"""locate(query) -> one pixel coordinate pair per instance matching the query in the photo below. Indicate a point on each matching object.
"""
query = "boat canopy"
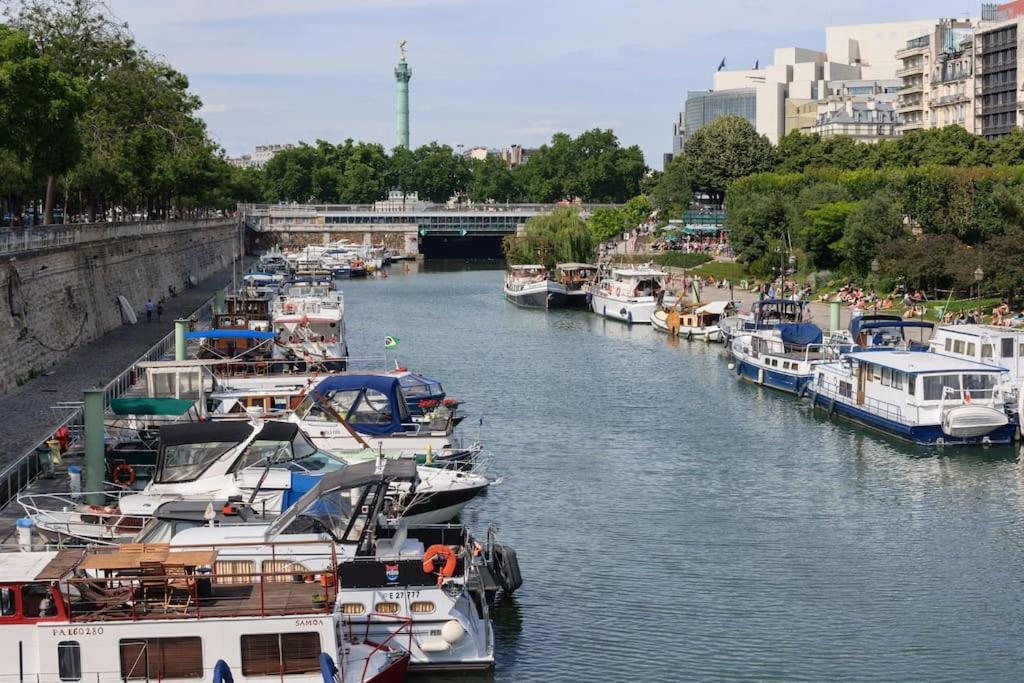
(800, 334)
(371, 404)
(224, 431)
(875, 322)
(150, 406)
(229, 334)
(715, 307)
(416, 386)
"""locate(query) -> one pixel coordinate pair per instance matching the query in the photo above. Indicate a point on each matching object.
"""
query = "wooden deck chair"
(104, 599)
(179, 582)
(153, 582)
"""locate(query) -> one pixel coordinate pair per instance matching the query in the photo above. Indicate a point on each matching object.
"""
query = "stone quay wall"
(59, 286)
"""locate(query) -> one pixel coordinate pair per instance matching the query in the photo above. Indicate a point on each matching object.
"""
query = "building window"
(69, 660)
(160, 658)
(1007, 348)
(277, 654)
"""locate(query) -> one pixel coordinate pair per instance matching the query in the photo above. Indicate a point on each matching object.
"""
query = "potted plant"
(319, 601)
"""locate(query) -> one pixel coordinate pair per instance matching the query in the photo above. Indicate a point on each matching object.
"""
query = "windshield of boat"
(980, 385)
(331, 511)
(297, 455)
(187, 461)
(360, 406)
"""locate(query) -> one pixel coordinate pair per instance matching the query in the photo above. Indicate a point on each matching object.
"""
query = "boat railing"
(824, 386)
(403, 632)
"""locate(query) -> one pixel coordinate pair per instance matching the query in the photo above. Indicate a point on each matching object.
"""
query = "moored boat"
(577, 279)
(918, 396)
(529, 286)
(781, 357)
(629, 294)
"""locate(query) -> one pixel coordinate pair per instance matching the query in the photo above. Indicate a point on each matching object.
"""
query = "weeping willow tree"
(558, 237)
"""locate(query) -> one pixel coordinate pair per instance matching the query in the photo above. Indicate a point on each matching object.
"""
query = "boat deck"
(207, 600)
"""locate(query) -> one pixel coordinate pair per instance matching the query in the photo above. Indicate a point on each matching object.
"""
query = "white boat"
(163, 614)
(923, 397)
(309, 319)
(528, 286)
(701, 323)
(630, 294)
(989, 344)
(781, 357)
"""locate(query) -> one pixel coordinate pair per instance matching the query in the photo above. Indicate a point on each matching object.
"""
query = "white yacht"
(309, 319)
(923, 397)
(630, 294)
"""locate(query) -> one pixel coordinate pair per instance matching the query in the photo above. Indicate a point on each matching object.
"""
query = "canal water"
(674, 524)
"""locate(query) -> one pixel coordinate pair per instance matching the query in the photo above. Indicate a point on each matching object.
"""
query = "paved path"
(27, 410)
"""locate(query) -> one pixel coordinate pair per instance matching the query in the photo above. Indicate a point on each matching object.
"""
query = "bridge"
(407, 226)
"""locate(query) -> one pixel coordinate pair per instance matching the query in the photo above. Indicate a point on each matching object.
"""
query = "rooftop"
(921, 361)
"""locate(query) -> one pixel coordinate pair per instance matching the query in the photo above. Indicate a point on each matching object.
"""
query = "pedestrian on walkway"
(159, 311)
(149, 310)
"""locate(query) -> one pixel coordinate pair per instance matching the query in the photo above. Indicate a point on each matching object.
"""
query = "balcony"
(985, 69)
(998, 108)
(945, 100)
(908, 126)
(911, 69)
(911, 88)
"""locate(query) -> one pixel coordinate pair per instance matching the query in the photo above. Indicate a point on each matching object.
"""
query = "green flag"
(390, 342)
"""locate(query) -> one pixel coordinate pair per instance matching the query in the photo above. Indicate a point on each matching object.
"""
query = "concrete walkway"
(28, 412)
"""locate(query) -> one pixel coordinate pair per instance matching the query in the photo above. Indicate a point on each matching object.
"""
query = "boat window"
(911, 384)
(938, 386)
(69, 660)
(1020, 350)
(949, 344)
(160, 658)
(1007, 350)
(845, 389)
(6, 602)
(37, 601)
(275, 654)
(897, 379)
(185, 462)
(374, 408)
(970, 349)
(330, 511)
(886, 377)
(981, 385)
(986, 350)
(958, 346)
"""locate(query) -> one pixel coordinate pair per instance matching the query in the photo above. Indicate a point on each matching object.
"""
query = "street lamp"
(875, 265)
(979, 275)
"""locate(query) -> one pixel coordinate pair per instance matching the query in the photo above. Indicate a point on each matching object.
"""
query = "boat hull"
(922, 435)
(633, 311)
(547, 295)
(781, 381)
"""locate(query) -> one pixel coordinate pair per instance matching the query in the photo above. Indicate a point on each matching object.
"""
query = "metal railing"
(824, 386)
(17, 476)
(19, 241)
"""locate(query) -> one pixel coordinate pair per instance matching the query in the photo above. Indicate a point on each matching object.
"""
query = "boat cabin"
(575, 276)
(771, 312)
(870, 331)
(997, 346)
(526, 274)
(707, 315)
(637, 282)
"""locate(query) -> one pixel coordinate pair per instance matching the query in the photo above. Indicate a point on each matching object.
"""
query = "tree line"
(93, 122)
(927, 208)
(592, 166)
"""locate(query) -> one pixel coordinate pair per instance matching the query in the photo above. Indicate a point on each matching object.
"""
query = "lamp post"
(979, 275)
(875, 265)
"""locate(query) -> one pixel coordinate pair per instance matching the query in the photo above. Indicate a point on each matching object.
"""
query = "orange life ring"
(449, 561)
(290, 308)
(123, 468)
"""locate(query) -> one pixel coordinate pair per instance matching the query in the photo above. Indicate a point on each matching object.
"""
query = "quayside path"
(28, 410)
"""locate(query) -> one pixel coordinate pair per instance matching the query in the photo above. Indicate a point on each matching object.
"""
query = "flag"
(722, 65)
(390, 342)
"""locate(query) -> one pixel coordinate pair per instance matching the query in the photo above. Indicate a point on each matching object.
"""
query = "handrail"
(16, 241)
(382, 646)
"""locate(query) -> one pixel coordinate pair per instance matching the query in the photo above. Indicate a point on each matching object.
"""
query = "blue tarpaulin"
(799, 334)
(229, 334)
(368, 416)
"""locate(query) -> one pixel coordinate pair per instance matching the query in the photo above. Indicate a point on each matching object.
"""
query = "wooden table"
(125, 561)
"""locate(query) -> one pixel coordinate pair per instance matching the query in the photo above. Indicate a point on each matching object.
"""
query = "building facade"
(937, 73)
(260, 156)
(997, 85)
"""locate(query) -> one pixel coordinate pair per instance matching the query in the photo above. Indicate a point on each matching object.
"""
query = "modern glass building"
(704, 106)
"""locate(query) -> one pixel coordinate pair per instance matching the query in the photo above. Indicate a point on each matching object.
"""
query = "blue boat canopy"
(229, 334)
(372, 404)
(800, 334)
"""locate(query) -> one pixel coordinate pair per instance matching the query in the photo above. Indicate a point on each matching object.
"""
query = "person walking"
(149, 310)
(160, 311)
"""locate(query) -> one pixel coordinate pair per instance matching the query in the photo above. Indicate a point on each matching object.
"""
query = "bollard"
(95, 463)
(179, 339)
(75, 481)
(24, 525)
(55, 458)
(833, 316)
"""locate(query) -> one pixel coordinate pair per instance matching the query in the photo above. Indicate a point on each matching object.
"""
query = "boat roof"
(638, 272)
(575, 266)
(229, 334)
(143, 405)
(976, 330)
(921, 361)
(715, 307)
(525, 266)
(19, 566)
(225, 431)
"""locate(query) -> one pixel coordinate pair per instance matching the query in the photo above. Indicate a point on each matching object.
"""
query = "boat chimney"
(95, 467)
(179, 339)
(833, 316)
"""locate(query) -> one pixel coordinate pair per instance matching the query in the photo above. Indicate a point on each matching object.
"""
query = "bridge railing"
(22, 240)
(261, 210)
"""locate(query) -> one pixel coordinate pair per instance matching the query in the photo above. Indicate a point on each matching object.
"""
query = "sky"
(486, 73)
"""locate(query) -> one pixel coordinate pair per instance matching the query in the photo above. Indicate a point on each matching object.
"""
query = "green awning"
(150, 406)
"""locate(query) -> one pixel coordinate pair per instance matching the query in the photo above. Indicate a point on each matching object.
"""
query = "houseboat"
(629, 294)
(529, 286)
(988, 344)
(765, 314)
(309, 318)
(577, 279)
(781, 357)
(922, 397)
(694, 321)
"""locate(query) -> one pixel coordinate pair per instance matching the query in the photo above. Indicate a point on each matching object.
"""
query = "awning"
(715, 307)
(229, 334)
(150, 406)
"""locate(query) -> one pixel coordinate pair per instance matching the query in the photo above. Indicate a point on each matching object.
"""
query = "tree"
(872, 222)
(605, 223)
(672, 193)
(492, 180)
(557, 237)
(823, 231)
(636, 211)
(439, 173)
(725, 150)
